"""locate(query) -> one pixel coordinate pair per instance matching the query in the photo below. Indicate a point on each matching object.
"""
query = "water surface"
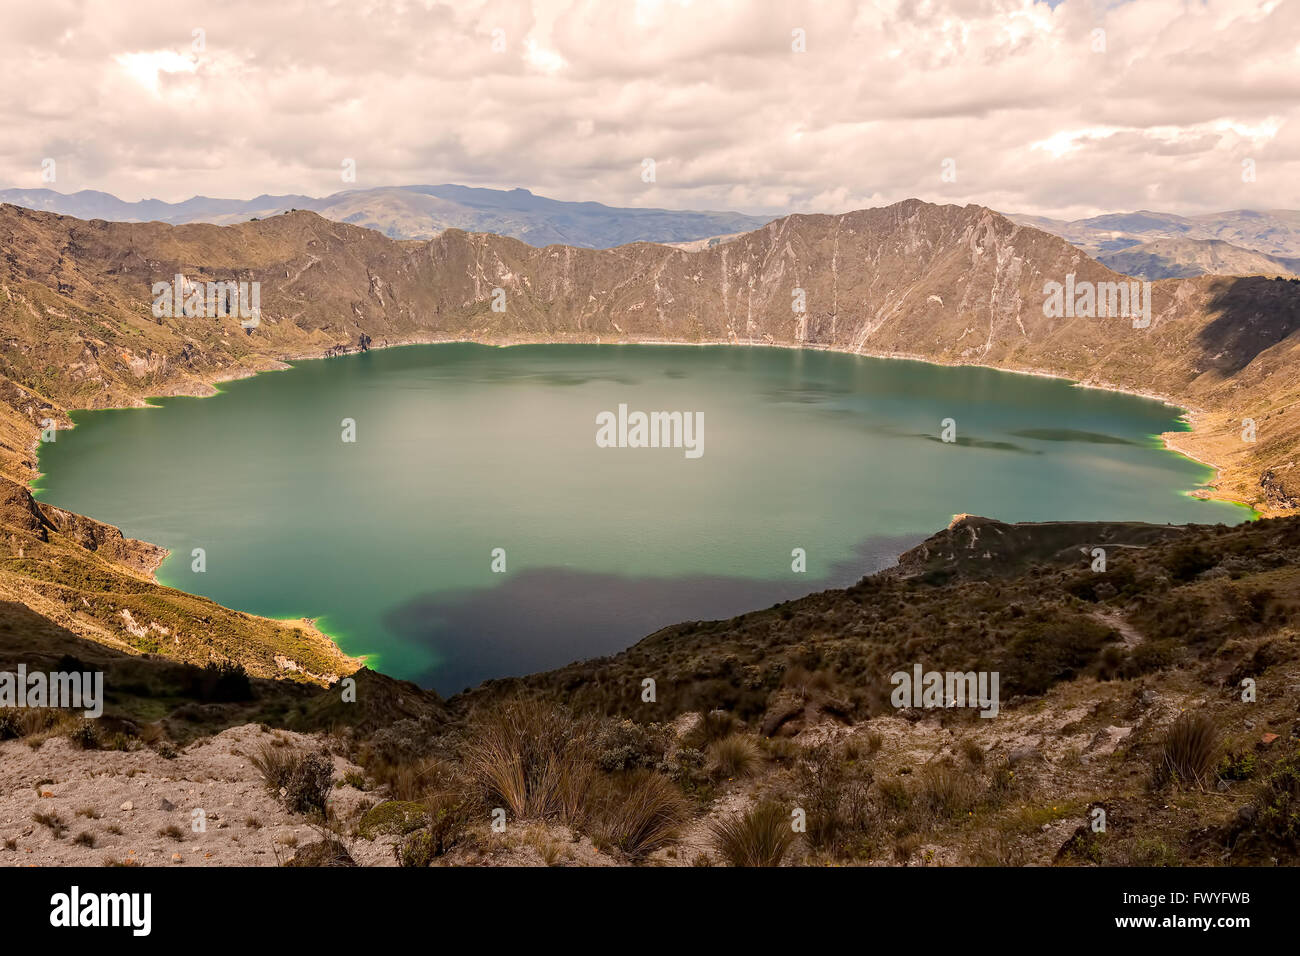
(463, 449)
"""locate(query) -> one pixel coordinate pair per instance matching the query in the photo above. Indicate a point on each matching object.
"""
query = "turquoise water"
(461, 449)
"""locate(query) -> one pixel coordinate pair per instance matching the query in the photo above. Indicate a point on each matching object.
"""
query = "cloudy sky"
(1066, 108)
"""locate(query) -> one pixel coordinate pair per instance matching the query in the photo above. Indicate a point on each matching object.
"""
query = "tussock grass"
(1190, 752)
(735, 755)
(640, 811)
(759, 837)
(946, 792)
(713, 726)
(531, 758)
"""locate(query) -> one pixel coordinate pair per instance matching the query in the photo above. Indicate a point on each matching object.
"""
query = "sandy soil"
(124, 798)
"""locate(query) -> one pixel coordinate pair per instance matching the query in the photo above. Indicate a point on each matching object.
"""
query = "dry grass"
(640, 812)
(531, 758)
(759, 837)
(713, 726)
(946, 792)
(302, 780)
(1190, 752)
(735, 755)
(53, 821)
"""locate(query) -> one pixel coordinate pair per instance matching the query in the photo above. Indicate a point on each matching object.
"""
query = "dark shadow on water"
(548, 617)
(1071, 434)
(964, 442)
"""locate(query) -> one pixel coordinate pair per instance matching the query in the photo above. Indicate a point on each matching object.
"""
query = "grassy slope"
(1096, 668)
(92, 580)
(1023, 600)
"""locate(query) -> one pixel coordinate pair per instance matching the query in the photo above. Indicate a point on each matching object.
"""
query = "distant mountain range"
(418, 212)
(1275, 232)
(1158, 245)
(1148, 245)
(1181, 258)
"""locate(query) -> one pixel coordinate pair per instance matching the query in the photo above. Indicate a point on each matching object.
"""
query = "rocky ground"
(139, 807)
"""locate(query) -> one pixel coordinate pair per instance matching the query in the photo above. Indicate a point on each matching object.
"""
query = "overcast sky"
(1037, 112)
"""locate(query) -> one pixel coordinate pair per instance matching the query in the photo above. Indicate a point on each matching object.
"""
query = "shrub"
(401, 742)
(1190, 751)
(1186, 561)
(835, 800)
(222, 682)
(759, 837)
(1278, 799)
(310, 784)
(1151, 851)
(686, 767)
(329, 851)
(417, 849)
(1148, 657)
(895, 795)
(626, 745)
(1239, 765)
(84, 735)
(448, 815)
(733, 756)
(392, 818)
(1044, 652)
(303, 780)
(639, 812)
(972, 751)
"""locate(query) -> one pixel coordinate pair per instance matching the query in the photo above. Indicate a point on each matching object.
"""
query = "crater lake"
(475, 527)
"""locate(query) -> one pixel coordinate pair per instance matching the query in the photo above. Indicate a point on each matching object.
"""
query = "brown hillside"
(943, 283)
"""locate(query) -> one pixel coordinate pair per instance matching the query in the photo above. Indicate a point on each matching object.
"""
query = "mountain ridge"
(416, 212)
(948, 284)
(1183, 258)
(1274, 232)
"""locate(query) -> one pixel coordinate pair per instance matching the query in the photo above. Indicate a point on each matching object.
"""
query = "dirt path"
(1113, 619)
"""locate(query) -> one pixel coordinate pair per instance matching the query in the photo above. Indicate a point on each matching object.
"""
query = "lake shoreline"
(288, 360)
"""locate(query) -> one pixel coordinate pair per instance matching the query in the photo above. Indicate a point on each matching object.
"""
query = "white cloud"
(1012, 90)
(145, 68)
